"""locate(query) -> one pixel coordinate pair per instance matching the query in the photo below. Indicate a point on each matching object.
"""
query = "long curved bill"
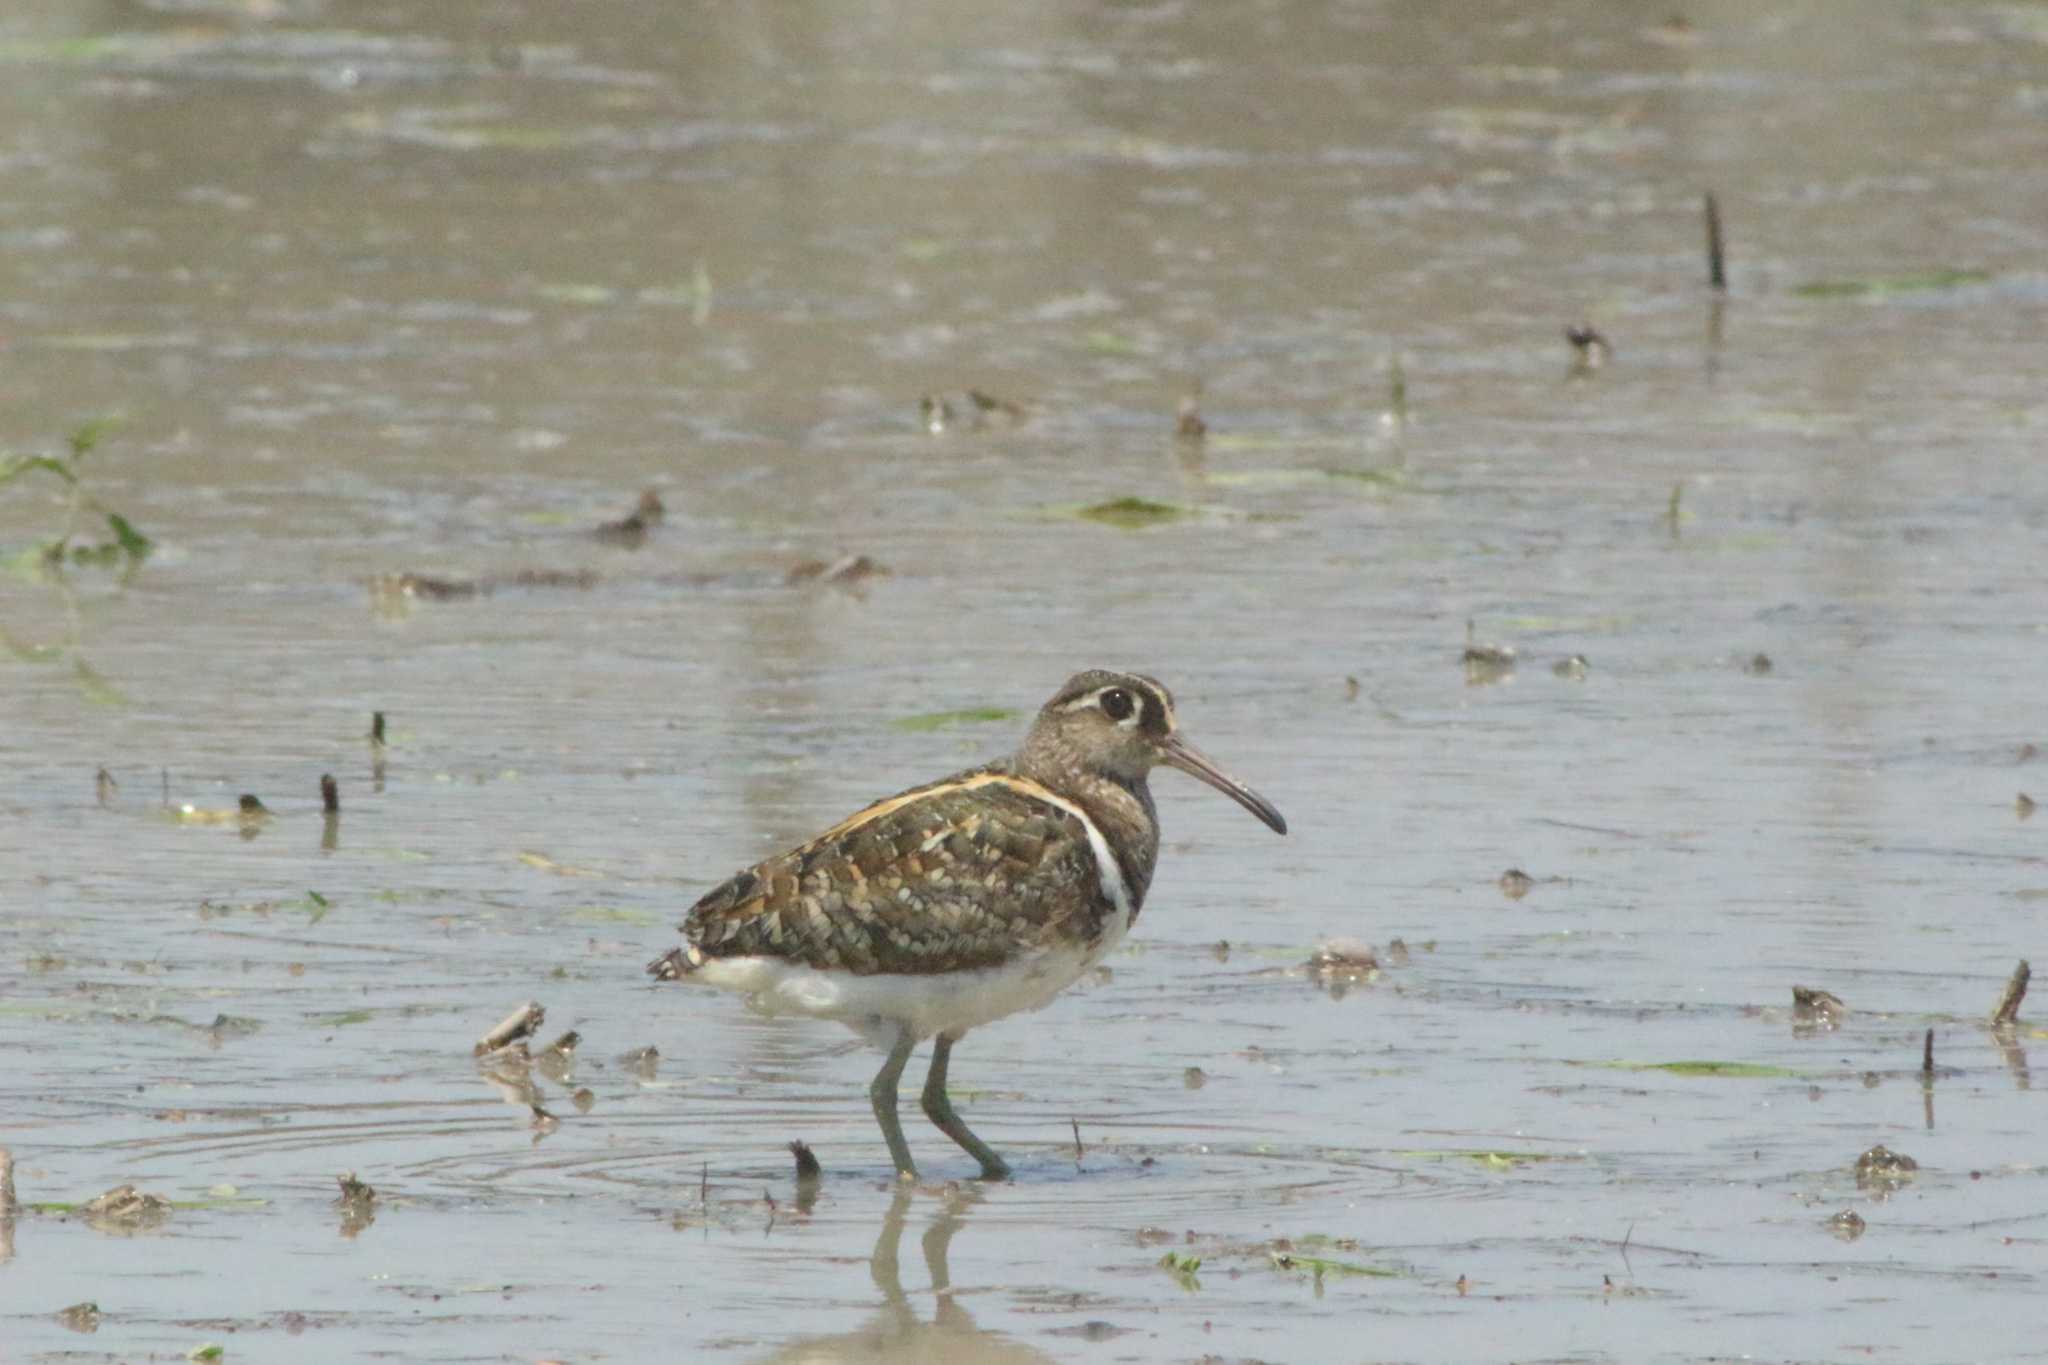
(1176, 752)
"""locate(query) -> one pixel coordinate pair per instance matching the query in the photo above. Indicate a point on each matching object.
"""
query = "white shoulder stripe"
(1107, 869)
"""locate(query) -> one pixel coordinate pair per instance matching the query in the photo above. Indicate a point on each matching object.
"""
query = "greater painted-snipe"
(954, 904)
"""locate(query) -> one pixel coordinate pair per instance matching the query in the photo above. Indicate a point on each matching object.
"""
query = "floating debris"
(424, 587)
(80, 1317)
(516, 1026)
(558, 1058)
(1394, 421)
(1344, 956)
(1188, 424)
(1590, 350)
(1342, 964)
(2008, 1011)
(1515, 883)
(992, 410)
(581, 580)
(845, 569)
(630, 531)
(357, 1203)
(1883, 1171)
(1573, 669)
(1485, 663)
(1847, 1225)
(125, 1208)
(1717, 251)
(1816, 1008)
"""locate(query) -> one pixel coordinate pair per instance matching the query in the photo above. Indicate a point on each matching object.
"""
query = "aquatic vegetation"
(1737, 1070)
(1493, 1158)
(1884, 286)
(72, 546)
(1134, 513)
(127, 548)
(946, 720)
(1182, 1267)
(1321, 1266)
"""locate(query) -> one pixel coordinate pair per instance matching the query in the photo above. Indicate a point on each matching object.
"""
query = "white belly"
(883, 1005)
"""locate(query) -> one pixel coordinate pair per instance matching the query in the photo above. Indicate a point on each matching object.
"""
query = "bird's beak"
(1176, 752)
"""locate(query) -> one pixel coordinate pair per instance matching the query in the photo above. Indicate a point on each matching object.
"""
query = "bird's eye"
(1117, 704)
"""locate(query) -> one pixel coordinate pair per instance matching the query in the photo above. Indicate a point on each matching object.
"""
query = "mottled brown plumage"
(958, 902)
(964, 873)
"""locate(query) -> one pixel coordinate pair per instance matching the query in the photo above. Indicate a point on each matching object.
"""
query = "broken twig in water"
(2008, 1011)
(1188, 424)
(521, 1023)
(1717, 257)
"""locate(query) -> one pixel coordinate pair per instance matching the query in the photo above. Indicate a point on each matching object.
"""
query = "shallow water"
(434, 292)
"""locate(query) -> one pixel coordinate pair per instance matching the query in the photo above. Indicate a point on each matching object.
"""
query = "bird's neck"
(1120, 808)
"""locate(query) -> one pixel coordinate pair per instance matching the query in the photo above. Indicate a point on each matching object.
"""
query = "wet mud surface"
(1725, 651)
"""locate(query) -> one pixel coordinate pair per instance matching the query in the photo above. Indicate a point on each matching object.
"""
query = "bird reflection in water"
(896, 1333)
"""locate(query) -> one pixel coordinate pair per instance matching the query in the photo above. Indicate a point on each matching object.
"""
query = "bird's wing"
(959, 874)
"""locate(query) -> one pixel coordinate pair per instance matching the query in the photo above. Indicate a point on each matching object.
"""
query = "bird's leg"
(939, 1110)
(883, 1093)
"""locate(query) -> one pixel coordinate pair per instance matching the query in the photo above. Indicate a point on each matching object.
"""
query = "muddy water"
(379, 292)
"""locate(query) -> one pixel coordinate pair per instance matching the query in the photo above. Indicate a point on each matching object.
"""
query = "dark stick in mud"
(1717, 259)
(2008, 1011)
(520, 1023)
